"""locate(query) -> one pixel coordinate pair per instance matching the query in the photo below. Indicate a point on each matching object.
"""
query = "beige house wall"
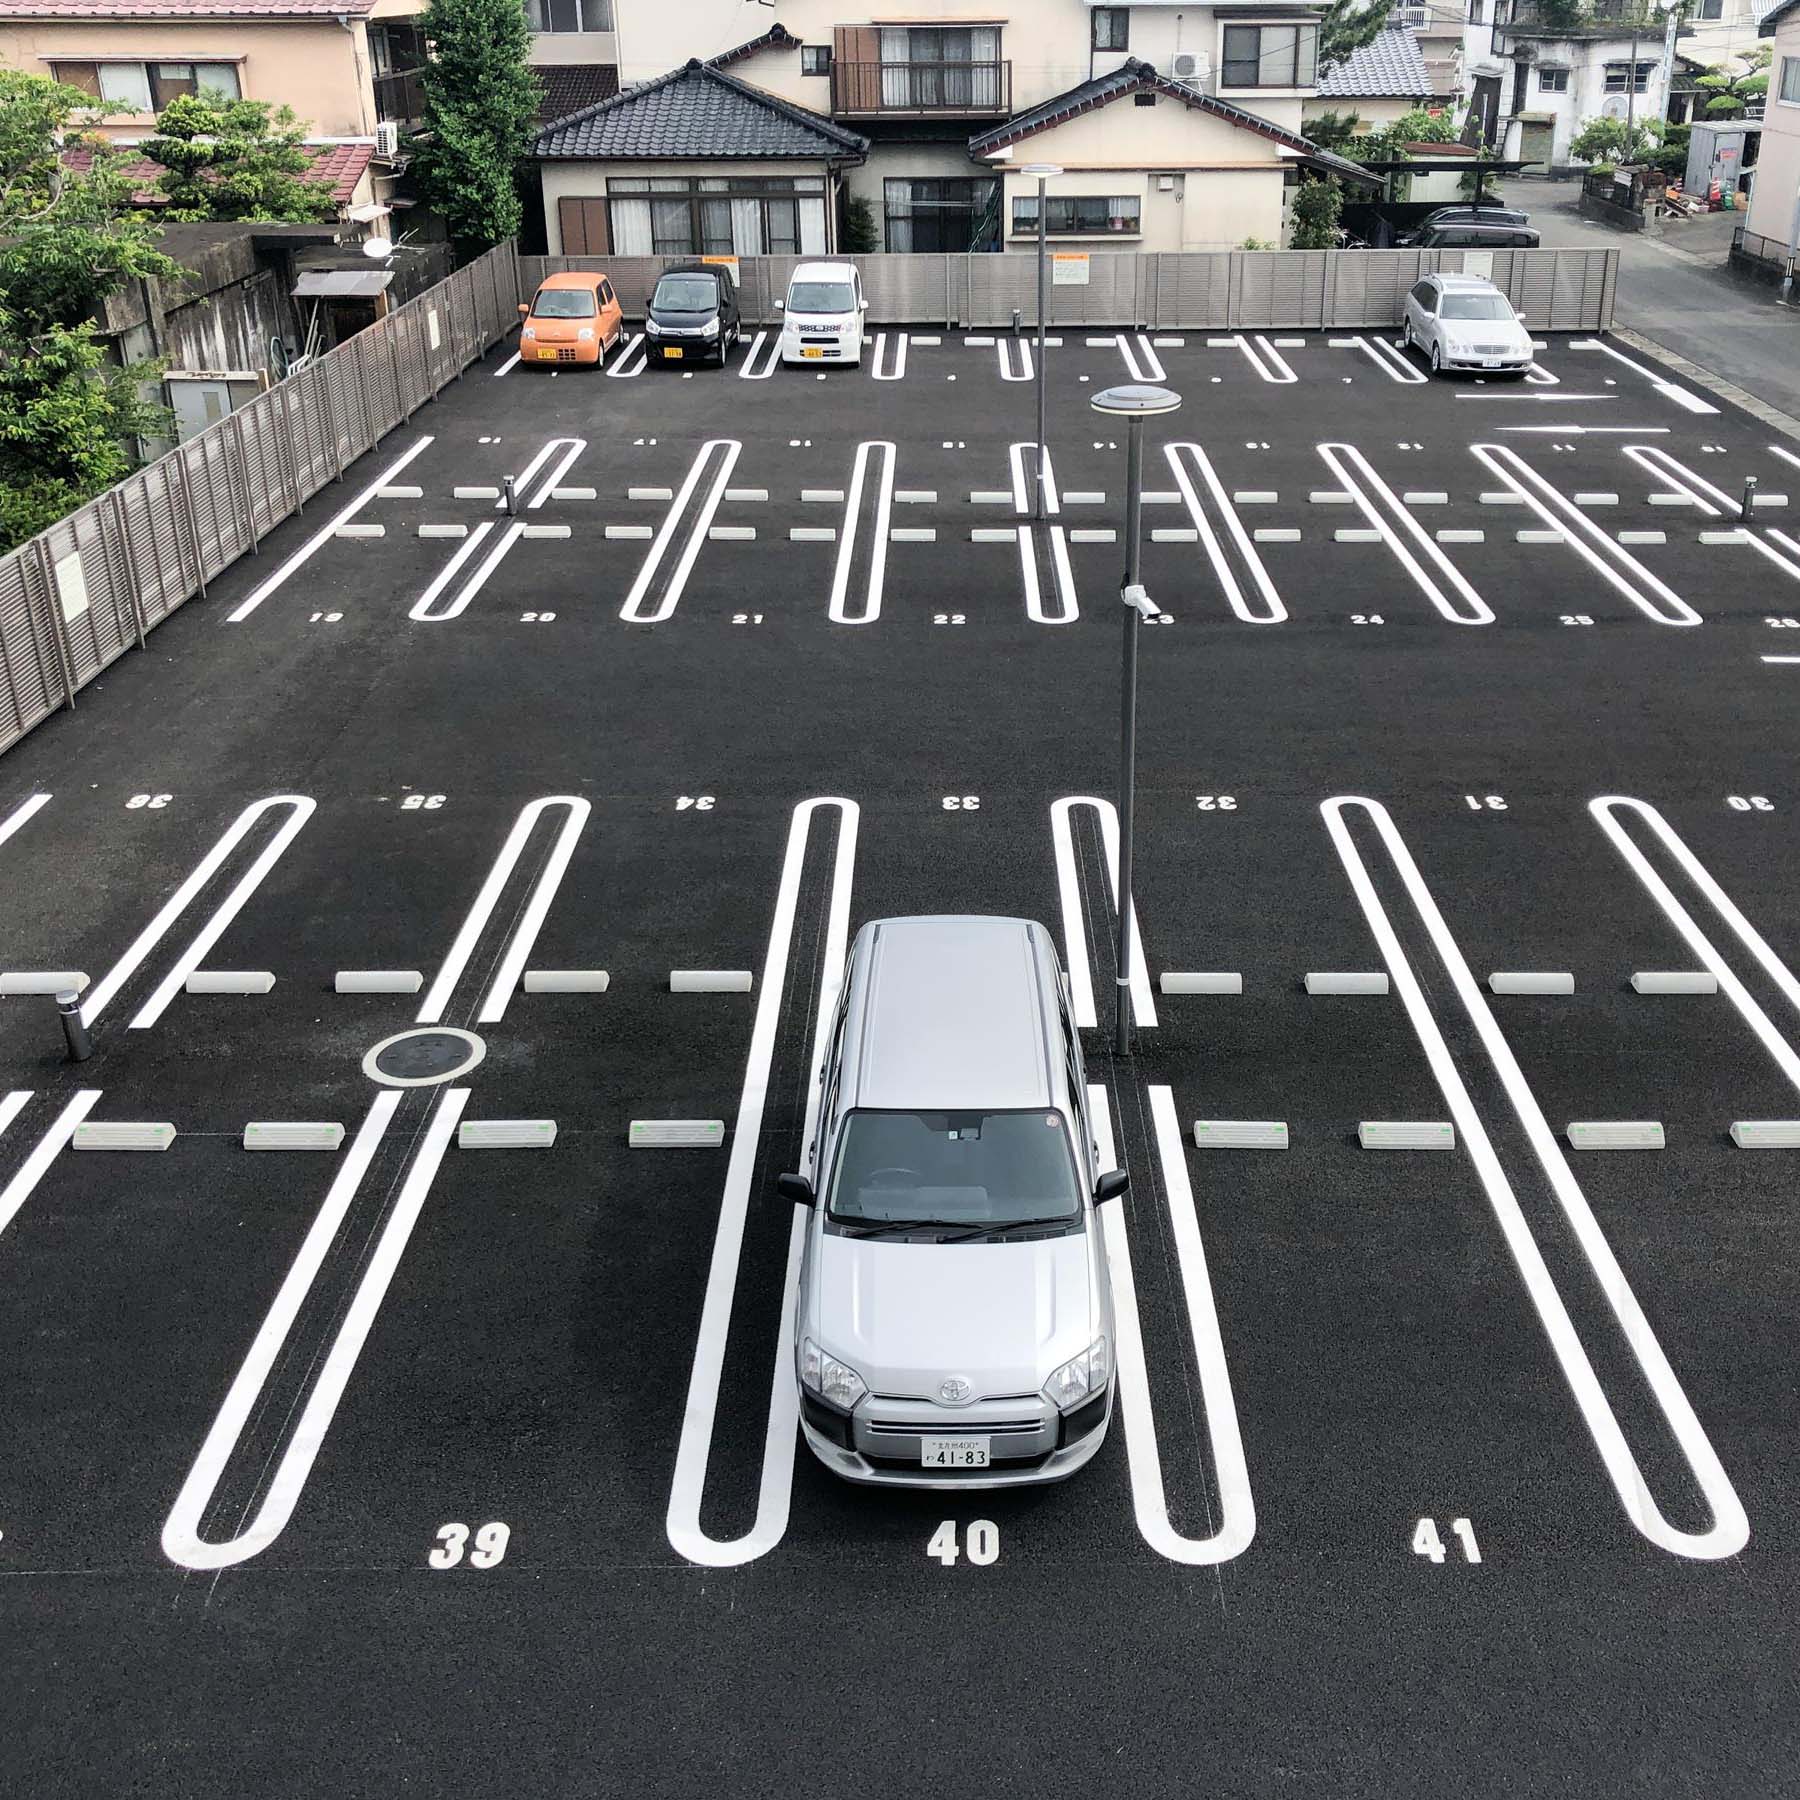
(317, 66)
(587, 181)
(1372, 114)
(1772, 197)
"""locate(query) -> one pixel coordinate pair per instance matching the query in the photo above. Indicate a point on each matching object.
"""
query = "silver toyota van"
(954, 1326)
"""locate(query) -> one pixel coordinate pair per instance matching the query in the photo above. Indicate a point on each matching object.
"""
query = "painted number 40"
(981, 1543)
(1426, 1541)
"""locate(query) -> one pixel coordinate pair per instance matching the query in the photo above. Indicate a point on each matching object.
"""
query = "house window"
(1270, 56)
(1790, 80)
(956, 67)
(396, 55)
(569, 15)
(1112, 27)
(1709, 9)
(1618, 75)
(1553, 81)
(1079, 215)
(815, 59)
(138, 87)
(1475, 11)
(672, 215)
(951, 214)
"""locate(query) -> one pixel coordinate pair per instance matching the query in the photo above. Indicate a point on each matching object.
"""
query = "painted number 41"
(1426, 1541)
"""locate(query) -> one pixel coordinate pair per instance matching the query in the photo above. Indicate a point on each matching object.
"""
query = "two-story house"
(1175, 125)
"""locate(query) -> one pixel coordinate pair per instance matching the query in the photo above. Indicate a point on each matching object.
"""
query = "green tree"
(481, 101)
(1607, 141)
(1728, 92)
(1347, 25)
(69, 237)
(860, 238)
(1333, 130)
(1316, 209)
(235, 159)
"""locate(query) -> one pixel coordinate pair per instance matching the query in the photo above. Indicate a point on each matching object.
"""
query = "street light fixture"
(1043, 172)
(1134, 403)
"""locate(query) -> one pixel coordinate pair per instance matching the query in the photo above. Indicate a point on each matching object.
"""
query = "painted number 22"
(490, 1546)
(1426, 1542)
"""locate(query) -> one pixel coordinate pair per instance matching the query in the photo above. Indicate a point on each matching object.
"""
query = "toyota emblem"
(956, 1390)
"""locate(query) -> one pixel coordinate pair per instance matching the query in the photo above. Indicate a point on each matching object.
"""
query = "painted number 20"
(1426, 1541)
(490, 1546)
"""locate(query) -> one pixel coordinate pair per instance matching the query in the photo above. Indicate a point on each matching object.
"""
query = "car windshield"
(1476, 306)
(564, 303)
(685, 293)
(820, 297)
(954, 1168)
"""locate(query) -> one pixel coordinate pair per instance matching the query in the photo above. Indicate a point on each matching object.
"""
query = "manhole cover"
(425, 1057)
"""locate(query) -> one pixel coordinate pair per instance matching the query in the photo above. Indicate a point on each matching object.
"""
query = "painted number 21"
(1426, 1542)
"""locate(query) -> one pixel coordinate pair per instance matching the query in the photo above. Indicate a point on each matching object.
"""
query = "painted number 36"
(490, 1546)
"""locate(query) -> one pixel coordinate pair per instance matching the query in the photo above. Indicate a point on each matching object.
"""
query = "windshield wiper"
(884, 1226)
(994, 1225)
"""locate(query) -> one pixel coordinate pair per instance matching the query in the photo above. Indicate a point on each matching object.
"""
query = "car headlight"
(1081, 1377)
(836, 1383)
(710, 328)
(585, 335)
(654, 329)
(529, 331)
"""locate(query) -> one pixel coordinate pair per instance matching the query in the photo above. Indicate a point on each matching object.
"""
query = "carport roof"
(693, 113)
(1133, 76)
(1388, 67)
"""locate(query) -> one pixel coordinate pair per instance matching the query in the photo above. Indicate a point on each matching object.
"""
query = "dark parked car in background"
(693, 313)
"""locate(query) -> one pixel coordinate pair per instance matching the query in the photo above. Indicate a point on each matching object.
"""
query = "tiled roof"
(1131, 77)
(340, 164)
(777, 37)
(1772, 19)
(181, 9)
(573, 87)
(695, 112)
(1388, 67)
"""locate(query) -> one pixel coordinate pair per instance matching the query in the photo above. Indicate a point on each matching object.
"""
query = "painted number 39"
(490, 1546)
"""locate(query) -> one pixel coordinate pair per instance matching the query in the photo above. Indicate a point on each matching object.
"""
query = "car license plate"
(673, 355)
(1490, 362)
(546, 356)
(953, 1453)
(811, 350)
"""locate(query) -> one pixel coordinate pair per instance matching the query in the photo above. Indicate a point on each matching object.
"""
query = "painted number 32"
(490, 1546)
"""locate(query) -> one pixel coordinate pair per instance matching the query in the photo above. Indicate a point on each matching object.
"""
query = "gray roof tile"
(1389, 67)
(695, 112)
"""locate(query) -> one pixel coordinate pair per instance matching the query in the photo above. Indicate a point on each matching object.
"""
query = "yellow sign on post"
(1069, 268)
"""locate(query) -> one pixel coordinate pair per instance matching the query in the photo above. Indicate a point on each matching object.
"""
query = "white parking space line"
(1068, 603)
(1695, 489)
(22, 815)
(774, 1492)
(524, 934)
(422, 610)
(1411, 543)
(1687, 401)
(1730, 1529)
(47, 1149)
(1391, 361)
(1539, 376)
(1074, 916)
(181, 1540)
(1600, 552)
(848, 538)
(1605, 812)
(1272, 611)
(324, 535)
(730, 449)
(570, 447)
(1016, 363)
(1141, 361)
(1264, 358)
(11, 1105)
(1149, 1499)
(507, 367)
(300, 808)
(747, 369)
(631, 360)
(896, 369)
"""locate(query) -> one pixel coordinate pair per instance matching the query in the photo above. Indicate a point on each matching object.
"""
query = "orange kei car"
(571, 319)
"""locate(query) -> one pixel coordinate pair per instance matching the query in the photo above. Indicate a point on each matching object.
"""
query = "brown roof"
(568, 87)
(181, 9)
(340, 164)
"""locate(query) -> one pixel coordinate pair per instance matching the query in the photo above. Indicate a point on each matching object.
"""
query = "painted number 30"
(490, 1546)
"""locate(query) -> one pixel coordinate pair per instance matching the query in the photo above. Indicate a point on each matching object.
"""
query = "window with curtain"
(926, 67)
(936, 215)
(569, 15)
(716, 216)
(139, 87)
(1080, 215)
(1270, 56)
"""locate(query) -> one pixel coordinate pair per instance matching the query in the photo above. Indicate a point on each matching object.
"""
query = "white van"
(822, 317)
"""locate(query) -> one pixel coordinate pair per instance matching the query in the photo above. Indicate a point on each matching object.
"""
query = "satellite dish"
(378, 249)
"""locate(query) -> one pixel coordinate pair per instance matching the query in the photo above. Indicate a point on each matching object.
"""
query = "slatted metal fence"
(1226, 290)
(82, 593)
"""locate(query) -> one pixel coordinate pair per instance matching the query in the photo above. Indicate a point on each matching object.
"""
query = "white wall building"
(1775, 199)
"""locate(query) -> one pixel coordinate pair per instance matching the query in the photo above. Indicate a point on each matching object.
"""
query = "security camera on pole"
(1134, 403)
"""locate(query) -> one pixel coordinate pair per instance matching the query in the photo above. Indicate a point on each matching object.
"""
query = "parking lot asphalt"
(410, 1467)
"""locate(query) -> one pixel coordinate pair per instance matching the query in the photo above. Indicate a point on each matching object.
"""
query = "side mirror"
(795, 1188)
(1109, 1186)
(781, 306)
(863, 306)
(524, 309)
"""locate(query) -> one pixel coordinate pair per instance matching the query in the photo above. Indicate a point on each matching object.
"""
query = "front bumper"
(550, 356)
(1511, 364)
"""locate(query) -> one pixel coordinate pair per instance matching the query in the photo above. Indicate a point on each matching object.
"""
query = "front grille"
(947, 1427)
(565, 355)
(910, 1464)
(1492, 350)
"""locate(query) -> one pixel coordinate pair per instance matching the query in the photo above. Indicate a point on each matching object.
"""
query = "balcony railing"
(399, 98)
(921, 87)
(1586, 19)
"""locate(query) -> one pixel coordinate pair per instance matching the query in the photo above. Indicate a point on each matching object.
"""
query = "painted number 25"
(490, 1546)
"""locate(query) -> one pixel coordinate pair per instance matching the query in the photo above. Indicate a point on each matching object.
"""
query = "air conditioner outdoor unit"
(387, 140)
(1186, 67)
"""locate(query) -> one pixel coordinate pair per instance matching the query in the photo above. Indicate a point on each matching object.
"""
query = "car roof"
(823, 271)
(1478, 284)
(693, 266)
(953, 1012)
(571, 278)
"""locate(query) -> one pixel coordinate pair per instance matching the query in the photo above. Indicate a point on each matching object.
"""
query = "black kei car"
(693, 313)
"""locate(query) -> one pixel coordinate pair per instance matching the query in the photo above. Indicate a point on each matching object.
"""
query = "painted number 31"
(490, 1546)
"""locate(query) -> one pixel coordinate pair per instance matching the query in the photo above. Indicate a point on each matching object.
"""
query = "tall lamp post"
(1043, 172)
(1134, 403)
